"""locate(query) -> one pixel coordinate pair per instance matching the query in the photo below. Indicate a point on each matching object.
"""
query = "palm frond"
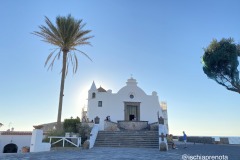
(67, 33)
(49, 57)
(53, 29)
(52, 63)
(76, 62)
(83, 54)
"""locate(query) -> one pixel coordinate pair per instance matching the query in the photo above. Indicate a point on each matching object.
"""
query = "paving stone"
(111, 153)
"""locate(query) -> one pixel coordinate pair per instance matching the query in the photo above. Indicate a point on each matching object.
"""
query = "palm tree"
(66, 35)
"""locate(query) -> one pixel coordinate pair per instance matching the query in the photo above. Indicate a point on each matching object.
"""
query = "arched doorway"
(10, 148)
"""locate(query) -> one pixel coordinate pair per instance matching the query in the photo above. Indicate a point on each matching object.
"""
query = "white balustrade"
(93, 135)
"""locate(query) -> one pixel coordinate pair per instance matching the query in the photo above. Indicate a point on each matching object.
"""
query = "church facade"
(130, 103)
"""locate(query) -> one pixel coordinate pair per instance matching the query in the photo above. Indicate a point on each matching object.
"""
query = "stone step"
(126, 138)
(128, 131)
(128, 134)
(136, 139)
(127, 143)
(121, 143)
(129, 137)
(127, 146)
(125, 135)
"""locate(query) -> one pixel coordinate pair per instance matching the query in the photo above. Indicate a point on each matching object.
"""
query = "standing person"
(185, 139)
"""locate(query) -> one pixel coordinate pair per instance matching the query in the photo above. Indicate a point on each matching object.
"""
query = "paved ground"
(193, 152)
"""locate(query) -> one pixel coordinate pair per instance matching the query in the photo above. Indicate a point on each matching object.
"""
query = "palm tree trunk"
(64, 64)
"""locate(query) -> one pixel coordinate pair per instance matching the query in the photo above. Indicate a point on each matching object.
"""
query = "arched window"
(93, 95)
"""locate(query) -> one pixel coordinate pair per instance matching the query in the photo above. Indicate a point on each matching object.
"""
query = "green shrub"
(54, 133)
(70, 125)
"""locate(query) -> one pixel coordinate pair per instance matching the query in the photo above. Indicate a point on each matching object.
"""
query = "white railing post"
(36, 142)
(162, 132)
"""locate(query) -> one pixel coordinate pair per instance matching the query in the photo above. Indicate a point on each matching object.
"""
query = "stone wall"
(224, 140)
(110, 126)
(211, 140)
(195, 139)
(154, 126)
(133, 125)
(89, 124)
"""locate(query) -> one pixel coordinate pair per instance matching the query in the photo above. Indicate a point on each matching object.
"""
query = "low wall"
(234, 140)
(154, 126)
(133, 125)
(110, 126)
(20, 139)
(212, 140)
(196, 139)
(89, 124)
(93, 135)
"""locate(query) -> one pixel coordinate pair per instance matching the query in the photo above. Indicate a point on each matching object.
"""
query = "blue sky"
(159, 42)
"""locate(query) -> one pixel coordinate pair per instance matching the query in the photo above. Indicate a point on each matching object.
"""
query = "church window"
(93, 95)
(99, 103)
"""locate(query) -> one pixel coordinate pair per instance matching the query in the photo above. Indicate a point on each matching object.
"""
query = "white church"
(129, 104)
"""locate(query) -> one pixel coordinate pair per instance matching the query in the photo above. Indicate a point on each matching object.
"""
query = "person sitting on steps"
(170, 141)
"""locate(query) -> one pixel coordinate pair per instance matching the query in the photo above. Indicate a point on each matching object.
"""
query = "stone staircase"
(133, 139)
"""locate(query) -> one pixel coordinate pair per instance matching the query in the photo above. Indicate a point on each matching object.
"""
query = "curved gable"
(131, 88)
